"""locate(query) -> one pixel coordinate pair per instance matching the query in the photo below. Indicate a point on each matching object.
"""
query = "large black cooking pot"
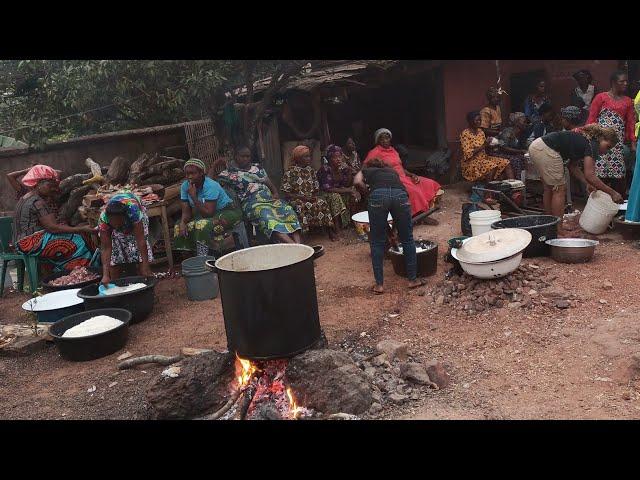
(541, 227)
(269, 300)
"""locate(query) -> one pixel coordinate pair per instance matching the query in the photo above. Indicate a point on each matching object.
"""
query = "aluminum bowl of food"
(572, 250)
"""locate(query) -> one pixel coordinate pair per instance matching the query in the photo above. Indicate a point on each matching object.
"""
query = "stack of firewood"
(147, 177)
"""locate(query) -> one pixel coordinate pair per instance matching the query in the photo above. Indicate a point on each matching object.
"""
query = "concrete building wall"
(70, 157)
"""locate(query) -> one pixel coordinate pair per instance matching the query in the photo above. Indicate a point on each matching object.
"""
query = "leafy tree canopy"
(40, 100)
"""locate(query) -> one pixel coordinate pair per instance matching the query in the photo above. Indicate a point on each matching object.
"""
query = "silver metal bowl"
(572, 250)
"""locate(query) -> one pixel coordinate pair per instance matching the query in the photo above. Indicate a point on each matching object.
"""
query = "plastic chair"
(30, 263)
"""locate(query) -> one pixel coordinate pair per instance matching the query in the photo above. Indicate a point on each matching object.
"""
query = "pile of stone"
(527, 287)
(397, 378)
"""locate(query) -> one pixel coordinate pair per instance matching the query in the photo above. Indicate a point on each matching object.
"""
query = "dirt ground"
(506, 363)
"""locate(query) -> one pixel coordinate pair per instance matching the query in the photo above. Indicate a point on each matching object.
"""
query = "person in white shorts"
(552, 152)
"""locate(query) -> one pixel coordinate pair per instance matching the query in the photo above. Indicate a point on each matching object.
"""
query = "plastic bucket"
(196, 264)
(598, 213)
(202, 284)
(481, 221)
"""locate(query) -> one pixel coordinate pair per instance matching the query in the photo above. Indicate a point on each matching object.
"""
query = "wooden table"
(160, 210)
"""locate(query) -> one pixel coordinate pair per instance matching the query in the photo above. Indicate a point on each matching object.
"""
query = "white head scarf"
(379, 132)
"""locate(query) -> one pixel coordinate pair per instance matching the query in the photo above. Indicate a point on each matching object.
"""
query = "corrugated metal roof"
(325, 72)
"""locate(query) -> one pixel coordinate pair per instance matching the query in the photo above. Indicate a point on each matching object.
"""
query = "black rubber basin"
(139, 302)
(80, 349)
(47, 287)
(427, 260)
(541, 227)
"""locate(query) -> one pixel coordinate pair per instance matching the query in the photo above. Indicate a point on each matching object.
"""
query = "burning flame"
(293, 407)
(247, 372)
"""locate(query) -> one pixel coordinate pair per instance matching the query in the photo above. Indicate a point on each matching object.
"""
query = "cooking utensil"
(48, 287)
(427, 260)
(54, 306)
(572, 250)
(487, 270)
(91, 346)
(629, 230)
(494, 245)
(138, 302)
(541, 227)
(269, 300)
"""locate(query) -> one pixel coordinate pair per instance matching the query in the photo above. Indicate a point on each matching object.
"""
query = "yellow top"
(491, 118)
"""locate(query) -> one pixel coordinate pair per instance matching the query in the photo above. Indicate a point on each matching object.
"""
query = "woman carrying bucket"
(553, 152)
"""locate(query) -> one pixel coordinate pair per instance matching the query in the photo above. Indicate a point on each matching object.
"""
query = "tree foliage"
(44, 100)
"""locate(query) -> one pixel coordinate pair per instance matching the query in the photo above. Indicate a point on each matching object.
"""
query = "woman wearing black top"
(387, 194)
(551, 153)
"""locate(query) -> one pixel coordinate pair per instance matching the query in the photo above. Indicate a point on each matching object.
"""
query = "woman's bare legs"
(282, 238)
(507, 173)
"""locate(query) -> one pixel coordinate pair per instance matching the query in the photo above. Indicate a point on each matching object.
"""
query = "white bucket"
(598, 213)
(481, 220)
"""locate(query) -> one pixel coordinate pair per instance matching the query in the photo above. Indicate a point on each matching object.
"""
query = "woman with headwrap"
(477, 165)
(613, 109)
(491, 114)
(207, 211)
(583, 94)
(513, 140)
(124, 236)
(36, 231)
(301, 187)
(336, 185)
(422, 190)
(260, 202)
(570, 117)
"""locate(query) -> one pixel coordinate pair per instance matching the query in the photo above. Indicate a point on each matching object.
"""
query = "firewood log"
(118, 170)
(161, 359)
(72, 182)
(139, 166)
(75, 200)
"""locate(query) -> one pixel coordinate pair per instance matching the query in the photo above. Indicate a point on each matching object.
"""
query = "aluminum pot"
(269, 300)
(572, 250)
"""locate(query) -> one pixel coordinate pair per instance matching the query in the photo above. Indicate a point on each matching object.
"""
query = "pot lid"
(53, 301)
(494, 245)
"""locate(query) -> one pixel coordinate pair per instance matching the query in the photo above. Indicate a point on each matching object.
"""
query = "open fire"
(262, 389)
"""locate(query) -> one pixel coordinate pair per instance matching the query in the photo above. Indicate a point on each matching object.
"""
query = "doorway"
(522, 84)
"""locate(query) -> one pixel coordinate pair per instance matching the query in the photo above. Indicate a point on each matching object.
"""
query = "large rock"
(414, 373)
(202, 386)
(329, 381)
(438, 374)
(393, 349)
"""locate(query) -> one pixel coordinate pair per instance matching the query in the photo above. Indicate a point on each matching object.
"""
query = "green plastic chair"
(6, 255)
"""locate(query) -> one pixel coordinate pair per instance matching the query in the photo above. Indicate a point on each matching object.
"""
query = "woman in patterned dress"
(38, 233)
(124, 236)
(613, 109)
(261, 204)
(336, 185)
(476, 164)
(302, 189)
(207, 212)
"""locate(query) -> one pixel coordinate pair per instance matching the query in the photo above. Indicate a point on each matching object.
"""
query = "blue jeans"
(381, 202)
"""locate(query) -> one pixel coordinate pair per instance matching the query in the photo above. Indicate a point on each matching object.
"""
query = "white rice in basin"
(93, 326)
(129, 288)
